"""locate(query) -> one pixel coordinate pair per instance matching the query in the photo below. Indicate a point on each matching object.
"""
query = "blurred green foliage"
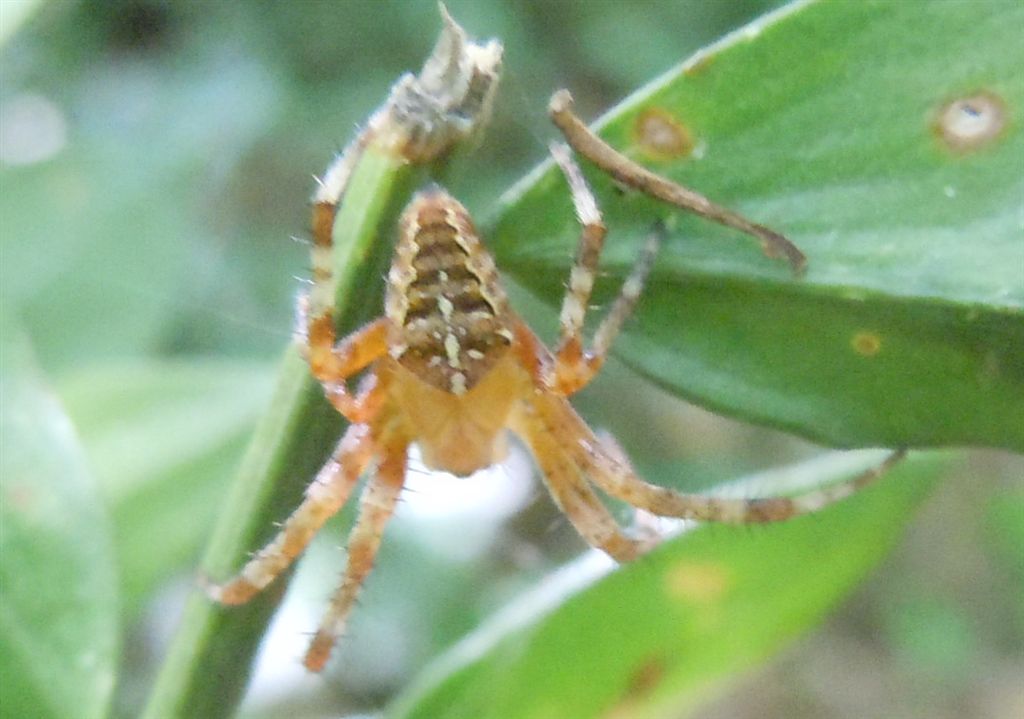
(156, 156)
(193, 130)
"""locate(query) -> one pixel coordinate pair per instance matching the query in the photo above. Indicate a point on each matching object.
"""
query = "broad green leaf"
(59, 631)
(163, 439)
(653, 637)
(823, 121)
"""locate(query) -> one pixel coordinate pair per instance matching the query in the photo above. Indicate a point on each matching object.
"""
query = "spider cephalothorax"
(451, 367)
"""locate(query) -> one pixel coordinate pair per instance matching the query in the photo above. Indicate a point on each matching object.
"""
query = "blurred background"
(155, 158)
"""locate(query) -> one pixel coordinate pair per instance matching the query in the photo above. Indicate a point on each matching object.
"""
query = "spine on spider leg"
(318, 306)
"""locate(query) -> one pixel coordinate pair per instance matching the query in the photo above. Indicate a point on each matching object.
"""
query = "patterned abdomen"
(447, 307)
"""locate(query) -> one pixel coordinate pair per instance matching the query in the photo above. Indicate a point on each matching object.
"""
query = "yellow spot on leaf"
(699, 583)
(660, 135)
(867, 344)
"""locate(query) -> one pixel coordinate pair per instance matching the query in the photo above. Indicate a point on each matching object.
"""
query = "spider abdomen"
(448, 311)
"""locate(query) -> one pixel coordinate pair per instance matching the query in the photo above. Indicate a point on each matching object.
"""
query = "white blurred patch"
(460, 516)
(32, 129)
(279, 672)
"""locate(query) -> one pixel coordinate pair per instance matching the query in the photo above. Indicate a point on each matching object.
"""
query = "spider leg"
(375, 508)
(623, 306)
(329, 192)
(330, 361)
(607, 469)
(588, 251)
(324, 497)
(331, 187)
(332, 364)
(575, 367)
(570, 490)
(626, 171)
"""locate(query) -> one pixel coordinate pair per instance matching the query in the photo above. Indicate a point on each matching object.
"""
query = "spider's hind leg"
(609, 471)
(325, 495)
(568, 487)
(576, 366)
(375, 508)
(620, 481)
(571, 457)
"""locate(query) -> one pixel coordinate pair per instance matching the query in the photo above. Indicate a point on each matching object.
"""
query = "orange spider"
(452, 367)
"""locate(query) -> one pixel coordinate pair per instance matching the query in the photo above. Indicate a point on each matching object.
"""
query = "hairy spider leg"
(448, 344)
(569, 489)
(629, 173)
(608, 469)
(569, 352)
(330, 361)
(333, 363)
(576, 366)
(324, 497)
(376, 506)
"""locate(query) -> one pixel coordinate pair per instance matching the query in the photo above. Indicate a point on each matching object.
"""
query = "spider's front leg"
(629, 173)
(330, 361)
(610, 472)
(334, 363)
(324, 497)
(574, 365)
(375, 508)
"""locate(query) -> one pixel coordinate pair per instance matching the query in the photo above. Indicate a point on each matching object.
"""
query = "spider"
(451, 367)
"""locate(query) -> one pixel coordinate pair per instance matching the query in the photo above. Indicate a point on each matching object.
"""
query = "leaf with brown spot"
(820, 121)
(647, 639)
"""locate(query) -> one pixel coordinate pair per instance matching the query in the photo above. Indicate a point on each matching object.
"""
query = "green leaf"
(654, 636)
(59, 632)
(823, 121)
(164, 439)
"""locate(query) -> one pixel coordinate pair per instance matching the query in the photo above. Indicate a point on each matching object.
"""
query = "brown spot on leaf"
(646, 677)
(641, 683)
(970, 123)
(867, 344)
(699, 64)
(660, 135)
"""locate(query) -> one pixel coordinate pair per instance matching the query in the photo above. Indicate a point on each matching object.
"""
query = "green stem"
(424, 120)
(209, 661)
